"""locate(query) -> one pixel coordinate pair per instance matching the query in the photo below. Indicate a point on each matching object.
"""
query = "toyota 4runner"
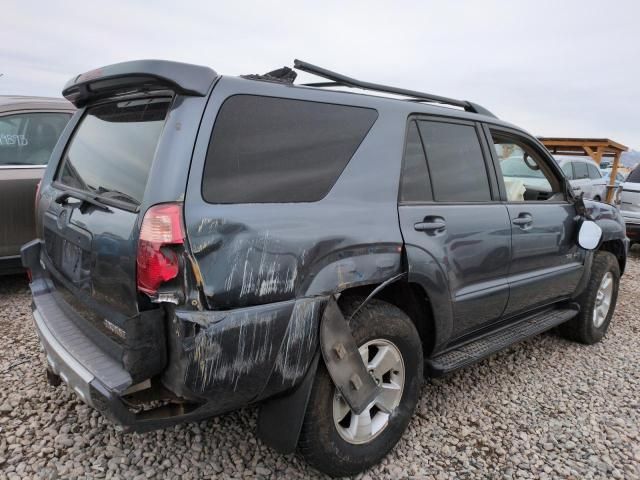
(207, 242)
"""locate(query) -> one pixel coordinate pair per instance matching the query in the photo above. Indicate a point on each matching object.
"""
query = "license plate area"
(69, 249)
(71, 261)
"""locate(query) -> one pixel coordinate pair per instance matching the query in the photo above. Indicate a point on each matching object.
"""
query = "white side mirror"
(589, 235)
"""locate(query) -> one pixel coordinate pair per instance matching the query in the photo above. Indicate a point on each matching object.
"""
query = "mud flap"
(280, 419)
(343, 361)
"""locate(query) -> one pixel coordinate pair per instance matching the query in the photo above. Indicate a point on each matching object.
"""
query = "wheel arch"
(409, 297)
(617, 248)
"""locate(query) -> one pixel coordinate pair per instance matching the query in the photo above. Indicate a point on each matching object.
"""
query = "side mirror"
(589, 235)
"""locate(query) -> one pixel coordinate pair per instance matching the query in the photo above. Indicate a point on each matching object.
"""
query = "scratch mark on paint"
(300, 339)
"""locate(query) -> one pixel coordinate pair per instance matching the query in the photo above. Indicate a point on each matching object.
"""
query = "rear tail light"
(156, 261)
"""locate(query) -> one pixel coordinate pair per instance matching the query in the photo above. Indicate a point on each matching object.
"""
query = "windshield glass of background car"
(112, 150)
(634, 176)
(29, 138)
(516, 167)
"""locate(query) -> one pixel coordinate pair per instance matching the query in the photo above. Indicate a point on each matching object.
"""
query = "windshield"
(515, 167)
(112, 150)
(634, 177)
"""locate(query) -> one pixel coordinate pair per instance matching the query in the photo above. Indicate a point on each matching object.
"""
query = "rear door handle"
(523, 220)
(429, 225)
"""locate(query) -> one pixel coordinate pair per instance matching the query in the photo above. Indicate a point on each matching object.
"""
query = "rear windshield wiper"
(117, 195)
(62, 199)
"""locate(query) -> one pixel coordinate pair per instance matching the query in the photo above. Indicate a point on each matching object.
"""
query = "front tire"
(335, 440)
(597, 302)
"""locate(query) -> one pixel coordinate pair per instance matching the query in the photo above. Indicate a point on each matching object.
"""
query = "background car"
(585, 177)
(29, 129)
(630, 205)
(606, 174)
(521, 176)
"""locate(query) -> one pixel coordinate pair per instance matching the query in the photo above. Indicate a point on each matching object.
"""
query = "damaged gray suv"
(208, 242)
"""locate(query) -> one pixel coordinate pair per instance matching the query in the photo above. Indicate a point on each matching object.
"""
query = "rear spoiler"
(139, 75)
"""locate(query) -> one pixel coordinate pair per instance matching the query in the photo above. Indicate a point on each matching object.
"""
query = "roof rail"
(339, 80)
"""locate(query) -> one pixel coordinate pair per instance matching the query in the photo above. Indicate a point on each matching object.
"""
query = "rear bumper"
(10, 265)
(96, 377)
(211, 369)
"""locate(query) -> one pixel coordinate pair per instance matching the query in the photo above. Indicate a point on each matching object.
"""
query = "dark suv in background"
(207, 242)
(29, 129)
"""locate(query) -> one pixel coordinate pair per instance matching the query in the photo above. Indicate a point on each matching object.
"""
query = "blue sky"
(556, 68)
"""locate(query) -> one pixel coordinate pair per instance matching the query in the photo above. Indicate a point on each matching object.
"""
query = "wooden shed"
(596, 148)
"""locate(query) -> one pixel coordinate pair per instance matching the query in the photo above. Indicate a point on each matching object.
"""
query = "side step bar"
(469, 353)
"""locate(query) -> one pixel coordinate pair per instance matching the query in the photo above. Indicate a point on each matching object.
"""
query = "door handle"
(429, 225)
(523, 220)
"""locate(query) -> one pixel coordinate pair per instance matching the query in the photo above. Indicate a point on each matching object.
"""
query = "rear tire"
(597, 198)
(325, 441)
(597, 302)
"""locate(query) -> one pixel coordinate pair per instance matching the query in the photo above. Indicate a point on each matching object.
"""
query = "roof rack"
(339, 80)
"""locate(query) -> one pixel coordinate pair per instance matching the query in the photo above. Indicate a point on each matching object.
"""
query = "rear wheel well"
(412, 300)
(617, 248)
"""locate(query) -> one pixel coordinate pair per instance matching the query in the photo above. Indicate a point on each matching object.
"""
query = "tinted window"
(112, 149)
(594, 172)
(456, 164)
(580, 170)
(634, 176)
(568, 170)
(267, 149)
(29, 139)
(415, 177)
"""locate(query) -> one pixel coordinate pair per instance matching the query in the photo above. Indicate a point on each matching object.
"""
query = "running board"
(483, 347)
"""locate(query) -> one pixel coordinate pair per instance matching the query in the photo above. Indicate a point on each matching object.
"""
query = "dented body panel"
(266, 278)
(237, 356)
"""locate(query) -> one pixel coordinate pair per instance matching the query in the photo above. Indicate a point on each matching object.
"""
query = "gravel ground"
(546, 408)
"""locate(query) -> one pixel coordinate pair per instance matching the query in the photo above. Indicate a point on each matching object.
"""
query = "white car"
(585, 177)
(630, 205)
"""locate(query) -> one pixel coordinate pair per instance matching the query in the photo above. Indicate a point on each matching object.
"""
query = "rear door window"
(29, 138)
(580, 170)
(111, 152)
(594, 173)
(267, 149)
(456, 163)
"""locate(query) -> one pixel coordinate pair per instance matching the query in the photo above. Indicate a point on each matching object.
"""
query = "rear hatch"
(91, 223)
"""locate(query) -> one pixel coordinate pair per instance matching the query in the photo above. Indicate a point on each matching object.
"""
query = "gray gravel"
(546, 408)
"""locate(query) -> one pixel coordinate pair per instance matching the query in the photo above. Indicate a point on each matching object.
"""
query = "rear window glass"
(29, 138)
(111, 151)
(266, 149)
(634, 176)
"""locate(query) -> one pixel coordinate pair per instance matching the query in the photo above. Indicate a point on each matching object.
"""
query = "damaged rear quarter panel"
(267, 269)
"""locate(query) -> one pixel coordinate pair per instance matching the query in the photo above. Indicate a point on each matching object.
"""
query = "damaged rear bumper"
(218, 360)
